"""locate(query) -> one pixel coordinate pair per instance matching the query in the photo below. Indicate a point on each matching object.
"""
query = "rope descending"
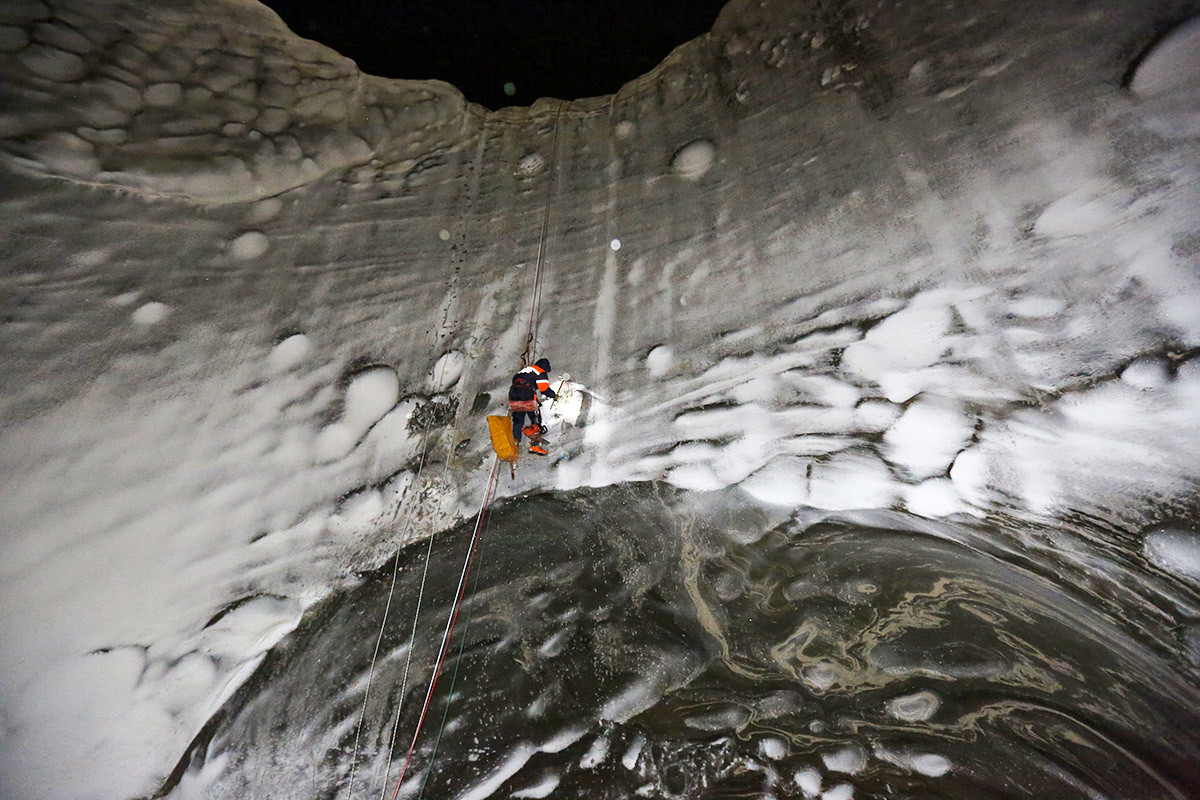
(458, 597)
(535, 303)
(362, 714)
(530, 343)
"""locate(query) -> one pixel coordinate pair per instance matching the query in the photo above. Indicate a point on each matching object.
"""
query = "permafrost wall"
(929, 257)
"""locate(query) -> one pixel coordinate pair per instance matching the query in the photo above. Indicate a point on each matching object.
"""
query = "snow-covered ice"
(447, 371)
(250, 244)
(630, 759)
(927, 437)
(1172, 65)
(289, 353)
(1174, 550)
(543, 788)
(839, 791)
(848, 760)
(151, 313)
(369, 395)
(596, 754)
(773, 748)
(930, 764)
(809, 781)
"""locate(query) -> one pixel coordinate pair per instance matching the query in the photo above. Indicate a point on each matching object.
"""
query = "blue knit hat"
(544, 363)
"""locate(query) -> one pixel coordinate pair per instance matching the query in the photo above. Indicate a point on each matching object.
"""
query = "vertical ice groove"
(604, 323)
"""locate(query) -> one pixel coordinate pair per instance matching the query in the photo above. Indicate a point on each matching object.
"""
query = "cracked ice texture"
(841, 227)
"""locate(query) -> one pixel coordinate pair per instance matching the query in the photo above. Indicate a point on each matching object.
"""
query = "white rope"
(531, 340)
(412, 645)
(450, 619)
(370, 677)
(362, 714)
(412, 640)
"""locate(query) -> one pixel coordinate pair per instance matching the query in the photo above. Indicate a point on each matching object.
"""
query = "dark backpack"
(524, 387)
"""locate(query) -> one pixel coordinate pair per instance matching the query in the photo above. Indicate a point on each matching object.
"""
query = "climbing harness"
(503, 442)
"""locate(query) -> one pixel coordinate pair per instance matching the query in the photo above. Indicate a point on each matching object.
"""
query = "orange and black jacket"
(542, 377)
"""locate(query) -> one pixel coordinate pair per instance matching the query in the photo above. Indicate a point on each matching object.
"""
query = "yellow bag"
(502, 438)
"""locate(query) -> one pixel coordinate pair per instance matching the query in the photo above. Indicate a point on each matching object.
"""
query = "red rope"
(437, 671)
(530, 336)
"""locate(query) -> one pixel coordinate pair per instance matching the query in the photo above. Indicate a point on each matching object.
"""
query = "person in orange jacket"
(523, 402)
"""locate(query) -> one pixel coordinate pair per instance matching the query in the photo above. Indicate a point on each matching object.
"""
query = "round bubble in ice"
(250, 244)
(694, 159)
(151, 313)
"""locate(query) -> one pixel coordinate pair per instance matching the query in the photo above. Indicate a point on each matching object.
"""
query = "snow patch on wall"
(289, 353)
(369, 395)
(1173, 65)
(151, 313)
(1174, 550)
(659, 360)
(447, 371)
(693, 160)
(250, 244)
(847, 760)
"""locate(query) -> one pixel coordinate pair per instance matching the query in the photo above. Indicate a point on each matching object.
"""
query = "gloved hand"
(551, 394)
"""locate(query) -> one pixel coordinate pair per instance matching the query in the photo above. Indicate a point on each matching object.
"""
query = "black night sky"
(566, 49)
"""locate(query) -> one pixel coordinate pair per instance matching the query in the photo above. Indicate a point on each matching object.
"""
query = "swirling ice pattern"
(644, 641)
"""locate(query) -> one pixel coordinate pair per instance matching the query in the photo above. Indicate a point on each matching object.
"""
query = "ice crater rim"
(591, 59)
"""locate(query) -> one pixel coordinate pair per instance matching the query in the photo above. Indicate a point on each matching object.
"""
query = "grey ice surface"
(937, 259)
(636, 641)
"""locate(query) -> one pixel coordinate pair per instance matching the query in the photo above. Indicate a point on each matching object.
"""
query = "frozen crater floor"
(912, 288)
(643, 641)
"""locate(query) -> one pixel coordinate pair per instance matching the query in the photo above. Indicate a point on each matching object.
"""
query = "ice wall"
(927, 257)
(212, 104)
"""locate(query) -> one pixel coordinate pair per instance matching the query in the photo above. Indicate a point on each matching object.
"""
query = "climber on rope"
(524, 404)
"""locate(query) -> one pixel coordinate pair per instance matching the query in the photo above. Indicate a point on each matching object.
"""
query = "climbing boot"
(532, 430)
(538, 450)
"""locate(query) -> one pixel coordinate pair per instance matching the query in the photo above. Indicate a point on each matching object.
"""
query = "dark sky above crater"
(504, 52)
